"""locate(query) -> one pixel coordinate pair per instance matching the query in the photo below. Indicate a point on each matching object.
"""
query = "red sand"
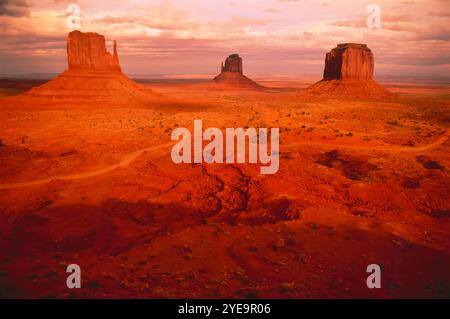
(361, 181)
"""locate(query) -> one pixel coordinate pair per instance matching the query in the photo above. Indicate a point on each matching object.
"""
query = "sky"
(192, 37)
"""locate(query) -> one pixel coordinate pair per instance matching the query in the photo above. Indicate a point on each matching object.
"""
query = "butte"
(348, 72)
(93, 78)
(232, 75)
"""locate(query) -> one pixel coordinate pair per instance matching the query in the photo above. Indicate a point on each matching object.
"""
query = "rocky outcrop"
(93, 78)
(233, 64)
(87, 51)
(232, 77)
(349, 61)
(348, 72)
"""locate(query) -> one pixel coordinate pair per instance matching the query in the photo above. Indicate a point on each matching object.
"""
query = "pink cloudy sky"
(187, 37)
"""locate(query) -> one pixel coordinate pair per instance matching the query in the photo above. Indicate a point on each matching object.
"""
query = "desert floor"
(360, 182)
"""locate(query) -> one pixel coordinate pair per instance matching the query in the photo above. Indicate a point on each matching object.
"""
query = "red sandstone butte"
(231, 75)
(93, 77)
(87, 51)
(349, 61)
(349, 69)
(233, 64)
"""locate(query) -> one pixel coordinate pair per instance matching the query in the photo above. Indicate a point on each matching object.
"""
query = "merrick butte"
(214, 151)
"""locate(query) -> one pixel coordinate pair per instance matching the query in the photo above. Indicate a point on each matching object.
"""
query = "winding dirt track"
(442, 138)
(126, 160)
(131, 157)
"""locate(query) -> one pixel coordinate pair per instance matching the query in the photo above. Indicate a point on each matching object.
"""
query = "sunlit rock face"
(87, 51)
(348, 73)
(93, 78)
(349, 61)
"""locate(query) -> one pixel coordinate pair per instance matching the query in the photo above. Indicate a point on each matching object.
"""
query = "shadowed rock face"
(349, 61)
(231, 75)
(87, 51)
(233, 64)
